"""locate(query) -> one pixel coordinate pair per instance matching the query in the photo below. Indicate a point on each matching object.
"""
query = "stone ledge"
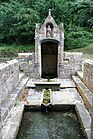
(16, 93)
(4, 113)
(80, 75)
(88, 132)
(84, 92)
(21, 76)
(84, 118)
(8, 103)
(10, 131)
(11, 100)
(88, 74)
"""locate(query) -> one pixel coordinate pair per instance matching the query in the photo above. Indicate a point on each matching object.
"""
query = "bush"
(78, 38)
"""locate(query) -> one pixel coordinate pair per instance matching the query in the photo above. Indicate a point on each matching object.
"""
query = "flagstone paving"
(65, 96)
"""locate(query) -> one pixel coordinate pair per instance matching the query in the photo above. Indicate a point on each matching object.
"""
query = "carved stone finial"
(49, 12)
(37, 26)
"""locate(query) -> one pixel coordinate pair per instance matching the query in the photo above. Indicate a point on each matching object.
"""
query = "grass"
(87, 51)
(8, 52)
(20, 48)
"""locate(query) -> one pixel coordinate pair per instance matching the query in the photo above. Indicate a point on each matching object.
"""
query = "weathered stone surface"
(80, 75)
(11, 127)
(62, 97)
(4, 114)
(8, 103)
(76, 79)
(88, 132)
(88, 74)
(83, 115)
(84, 118)
(84, 92)
(75, 94)
(9, 78)
(34, 97)
(13, 130)
(67, 83)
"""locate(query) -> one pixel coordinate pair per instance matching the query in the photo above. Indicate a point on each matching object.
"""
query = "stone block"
(9, 78)
(8, 103)
(4, 113)
(88, 133)
(83, 115)
(75, 94)
(13, 130)
(88, 74)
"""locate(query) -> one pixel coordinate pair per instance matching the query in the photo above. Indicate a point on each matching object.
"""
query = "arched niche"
(49, 29)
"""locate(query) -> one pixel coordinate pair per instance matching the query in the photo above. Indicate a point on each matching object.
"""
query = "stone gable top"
(49, 30)
(49, 20)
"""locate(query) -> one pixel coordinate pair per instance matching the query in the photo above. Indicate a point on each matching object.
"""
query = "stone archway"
(49, 59)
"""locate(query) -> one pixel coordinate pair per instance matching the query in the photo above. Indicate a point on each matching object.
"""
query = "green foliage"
(78, 38)
(13, 50)
(18, 18)
(46, 96)
(17, 22)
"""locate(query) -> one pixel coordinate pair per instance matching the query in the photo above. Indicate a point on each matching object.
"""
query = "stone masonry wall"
(26, 63)
(88, 74)
(9, 79)
(71, 64)
(9, 76)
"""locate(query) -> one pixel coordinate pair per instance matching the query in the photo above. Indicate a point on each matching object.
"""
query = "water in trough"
(51, 125)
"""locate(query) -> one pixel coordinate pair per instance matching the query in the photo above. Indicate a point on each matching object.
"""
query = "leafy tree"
(18, 18)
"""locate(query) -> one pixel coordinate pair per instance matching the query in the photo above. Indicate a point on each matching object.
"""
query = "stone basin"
(47, 85)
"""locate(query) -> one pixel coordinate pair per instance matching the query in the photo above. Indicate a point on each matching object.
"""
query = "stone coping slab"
(89, 61)
(11, 127)
(84, 118)
(84, 92)
(80, 75)
(27, 54)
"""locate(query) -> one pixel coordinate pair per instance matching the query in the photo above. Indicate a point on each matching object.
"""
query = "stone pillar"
(39, 59)
(61, 42)
(60, 59)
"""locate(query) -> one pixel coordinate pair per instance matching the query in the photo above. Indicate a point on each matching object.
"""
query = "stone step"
(84, 118)
(84, 92)
(80, 75)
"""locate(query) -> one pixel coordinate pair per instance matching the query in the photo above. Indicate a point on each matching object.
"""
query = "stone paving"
(34, 97)
(65, 96)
